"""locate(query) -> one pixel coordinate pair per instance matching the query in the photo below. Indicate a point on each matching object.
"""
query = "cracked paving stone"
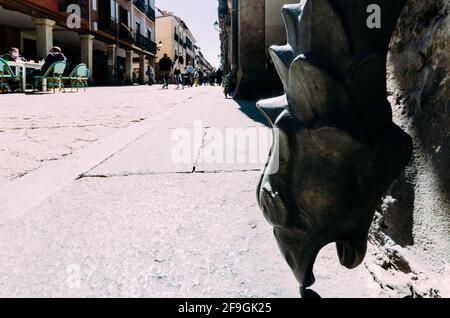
(56, 122)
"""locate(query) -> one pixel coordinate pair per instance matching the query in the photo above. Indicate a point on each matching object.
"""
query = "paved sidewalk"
(41, 128)
(137, 224)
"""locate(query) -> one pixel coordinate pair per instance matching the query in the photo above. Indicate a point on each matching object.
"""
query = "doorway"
(29, 50)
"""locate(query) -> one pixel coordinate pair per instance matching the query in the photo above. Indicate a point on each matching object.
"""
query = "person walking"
(190, 70)
(212, 78)
(180, 71)
(165, 67)
(196, 78)
(121, 75)
(201, 77)
(150, 75)
(219, 77)
(176, 71)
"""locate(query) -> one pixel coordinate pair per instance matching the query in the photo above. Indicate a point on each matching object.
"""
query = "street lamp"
(160, 45)
(217, 26)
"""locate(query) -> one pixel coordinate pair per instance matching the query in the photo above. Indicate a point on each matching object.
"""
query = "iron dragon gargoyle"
(337, 149)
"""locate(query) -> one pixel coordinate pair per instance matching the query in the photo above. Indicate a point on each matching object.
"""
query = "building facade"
(115, 38)
(245, 54)
(174, 37)
(201, 62)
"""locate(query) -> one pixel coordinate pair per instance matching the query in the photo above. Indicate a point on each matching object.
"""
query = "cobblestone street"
(92, 204)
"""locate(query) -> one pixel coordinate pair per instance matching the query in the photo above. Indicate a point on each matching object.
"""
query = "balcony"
(140, 41)
(140, 4)
(151, 13)
(125, 33)
(145, 43)
(108, 25)
(152, 47)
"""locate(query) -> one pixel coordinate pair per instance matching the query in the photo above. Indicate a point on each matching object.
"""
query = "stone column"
(151, 62)
(253, 79)
(112, 62)
(129, 67)
(44, 36)
(229, 52)
(87, 51)
(142, 68)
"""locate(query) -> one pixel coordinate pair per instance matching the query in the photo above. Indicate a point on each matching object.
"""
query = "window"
(149, 34)
(94, 5)
(138, 27)
(189, 43)
(114, 9)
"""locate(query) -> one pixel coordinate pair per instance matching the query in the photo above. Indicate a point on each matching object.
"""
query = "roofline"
(180, 21)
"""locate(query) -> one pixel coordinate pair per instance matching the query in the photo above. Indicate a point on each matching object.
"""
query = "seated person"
(55, 55)
(13, 56)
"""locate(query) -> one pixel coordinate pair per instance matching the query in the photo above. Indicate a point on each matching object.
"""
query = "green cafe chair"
(7, 75)
(53, 76)
(79, 77)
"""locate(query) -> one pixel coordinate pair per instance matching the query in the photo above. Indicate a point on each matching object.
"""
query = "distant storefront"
(110, 32)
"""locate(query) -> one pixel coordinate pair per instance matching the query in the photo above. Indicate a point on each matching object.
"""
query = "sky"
(199, 15)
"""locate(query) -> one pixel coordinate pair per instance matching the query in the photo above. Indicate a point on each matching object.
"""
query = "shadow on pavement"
(309, 294)
(248, 107)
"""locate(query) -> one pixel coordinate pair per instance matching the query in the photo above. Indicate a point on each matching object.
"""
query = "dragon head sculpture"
(337, 149)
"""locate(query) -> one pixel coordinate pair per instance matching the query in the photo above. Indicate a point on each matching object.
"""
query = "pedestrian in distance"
(212, 78)
(219, 77)
(196, 82)
(190, 72)
(150, 75)
(165, 66)
(176, 71)
(121, 75)
(201, 77)
(180, 71)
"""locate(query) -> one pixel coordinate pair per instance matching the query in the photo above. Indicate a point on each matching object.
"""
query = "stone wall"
(413, 226)
(253, 77)
(275, 29)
